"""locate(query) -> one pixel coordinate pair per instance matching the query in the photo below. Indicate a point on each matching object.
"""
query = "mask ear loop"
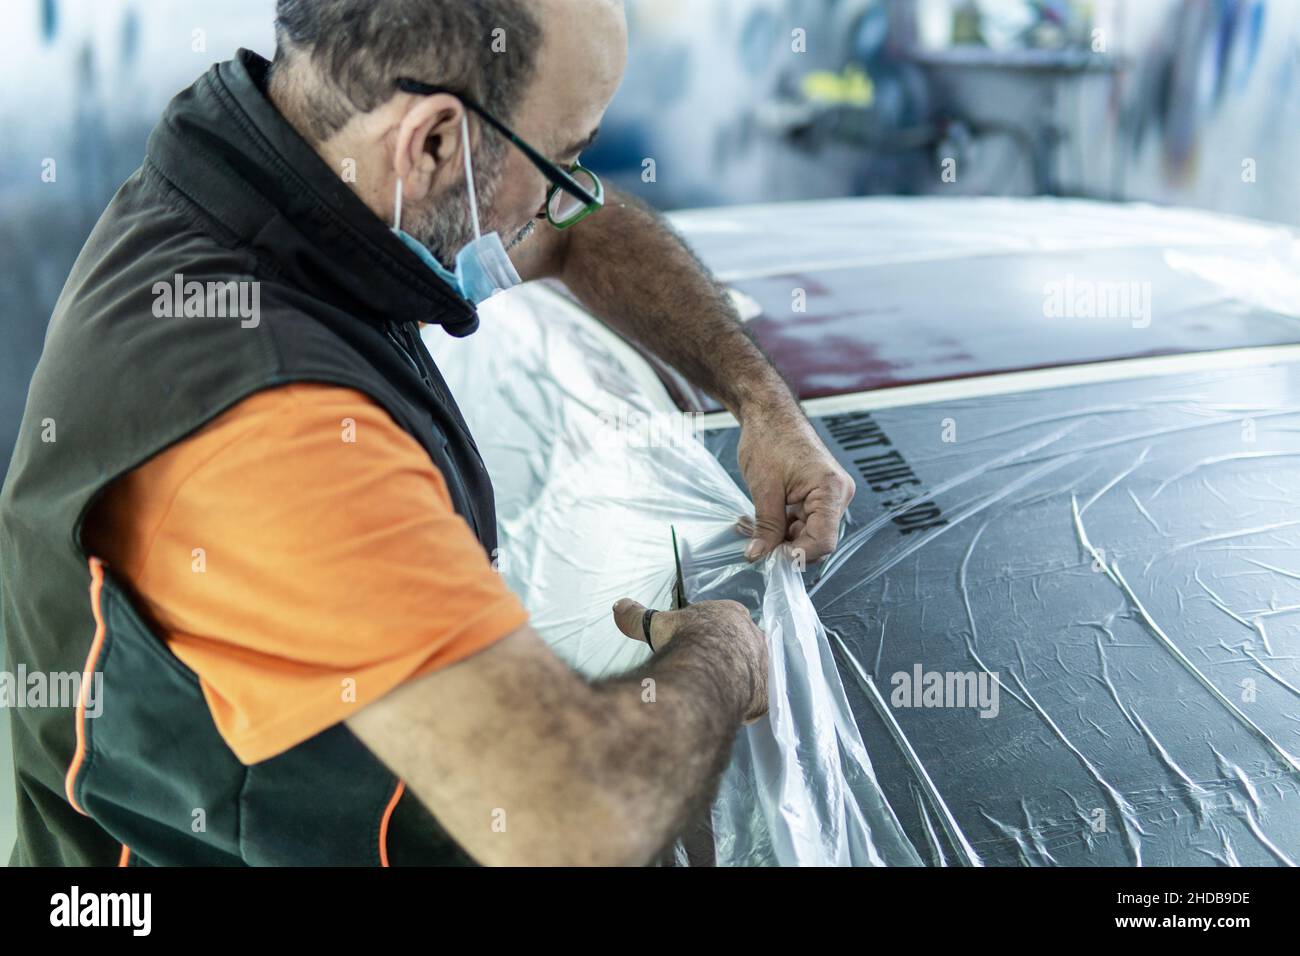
(469, 172)
(397, 207)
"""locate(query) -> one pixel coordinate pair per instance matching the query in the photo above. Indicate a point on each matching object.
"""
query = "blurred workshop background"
(1189, 102)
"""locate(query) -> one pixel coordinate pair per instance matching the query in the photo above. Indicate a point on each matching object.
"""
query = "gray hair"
(486, 49)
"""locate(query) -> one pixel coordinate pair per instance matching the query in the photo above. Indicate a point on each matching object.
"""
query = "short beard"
(522, 235)
(446, 227)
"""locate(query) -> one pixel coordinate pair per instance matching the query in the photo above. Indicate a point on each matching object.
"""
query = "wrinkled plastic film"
(590, 478)
(1118, 560)
(800, 789)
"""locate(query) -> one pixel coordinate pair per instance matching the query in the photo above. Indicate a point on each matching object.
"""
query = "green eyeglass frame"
(589, 199)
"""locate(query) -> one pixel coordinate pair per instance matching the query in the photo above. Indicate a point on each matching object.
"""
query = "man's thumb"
(630, 618)
(628, 615)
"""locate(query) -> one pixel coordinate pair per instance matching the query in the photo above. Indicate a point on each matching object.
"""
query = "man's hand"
(724, 620)
(629, 268)
(589, 773)
(800, 492)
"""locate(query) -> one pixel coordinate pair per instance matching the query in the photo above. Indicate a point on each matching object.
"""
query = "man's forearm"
(670, 732)
(631, 271)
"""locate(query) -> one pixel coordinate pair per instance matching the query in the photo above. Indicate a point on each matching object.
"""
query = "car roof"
(861, 294)
(1113, 569)
(1111, 546)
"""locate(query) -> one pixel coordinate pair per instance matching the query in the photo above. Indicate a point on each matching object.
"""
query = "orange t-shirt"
(301, 555)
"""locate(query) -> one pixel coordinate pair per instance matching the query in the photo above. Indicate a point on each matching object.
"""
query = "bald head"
(584, 51)
(579, 67)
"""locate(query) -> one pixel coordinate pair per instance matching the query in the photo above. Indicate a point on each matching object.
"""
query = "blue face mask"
(482, 268)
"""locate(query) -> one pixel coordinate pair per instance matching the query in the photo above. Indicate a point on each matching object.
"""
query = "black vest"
(228, 191)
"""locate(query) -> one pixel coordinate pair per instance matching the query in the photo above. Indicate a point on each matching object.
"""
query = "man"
(305, 655)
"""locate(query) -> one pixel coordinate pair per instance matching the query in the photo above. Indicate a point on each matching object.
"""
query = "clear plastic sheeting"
(1070, 619)
(1063, 628)
(590, 478)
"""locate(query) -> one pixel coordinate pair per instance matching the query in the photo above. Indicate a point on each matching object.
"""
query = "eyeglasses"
(574, 195)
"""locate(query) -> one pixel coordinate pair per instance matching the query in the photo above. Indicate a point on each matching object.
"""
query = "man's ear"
(428, 143)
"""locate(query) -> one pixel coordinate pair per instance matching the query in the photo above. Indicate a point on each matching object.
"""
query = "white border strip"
(1007, 383)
